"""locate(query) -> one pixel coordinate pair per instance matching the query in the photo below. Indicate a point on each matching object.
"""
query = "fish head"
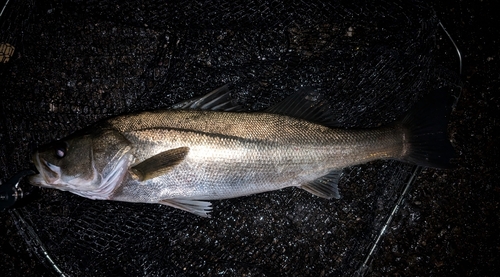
(91, 164)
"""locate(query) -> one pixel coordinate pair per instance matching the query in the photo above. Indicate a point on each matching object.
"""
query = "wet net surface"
(81, 61)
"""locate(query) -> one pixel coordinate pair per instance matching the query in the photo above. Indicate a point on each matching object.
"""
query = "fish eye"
(60, 148)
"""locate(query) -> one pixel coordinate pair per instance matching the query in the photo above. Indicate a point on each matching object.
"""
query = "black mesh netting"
(80, 61)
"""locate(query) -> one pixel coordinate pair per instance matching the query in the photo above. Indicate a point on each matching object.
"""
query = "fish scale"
(257, 158)
(207, 149)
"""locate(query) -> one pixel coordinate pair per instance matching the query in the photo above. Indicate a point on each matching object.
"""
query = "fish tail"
(426, 130)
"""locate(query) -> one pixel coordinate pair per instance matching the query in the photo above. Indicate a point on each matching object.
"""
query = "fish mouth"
(48, 175)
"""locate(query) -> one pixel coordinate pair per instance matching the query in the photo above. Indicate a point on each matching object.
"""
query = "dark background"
(80, 61)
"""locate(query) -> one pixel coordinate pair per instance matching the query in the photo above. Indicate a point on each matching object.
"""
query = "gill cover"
(89, 164)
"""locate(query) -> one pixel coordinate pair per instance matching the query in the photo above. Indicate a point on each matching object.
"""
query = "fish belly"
(246, 154)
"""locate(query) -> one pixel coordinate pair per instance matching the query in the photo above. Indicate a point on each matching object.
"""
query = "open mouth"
(48, 173)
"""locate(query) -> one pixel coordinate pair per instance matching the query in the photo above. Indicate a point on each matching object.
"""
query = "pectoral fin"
(201, 208)
(159, 164)
(326, 186)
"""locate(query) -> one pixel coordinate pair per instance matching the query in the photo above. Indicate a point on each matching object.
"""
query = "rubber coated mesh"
(77, 62)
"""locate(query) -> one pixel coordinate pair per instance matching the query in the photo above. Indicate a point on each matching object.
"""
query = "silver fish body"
(261, 152)
(183, 157)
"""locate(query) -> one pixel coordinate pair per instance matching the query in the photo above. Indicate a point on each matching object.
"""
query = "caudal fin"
(426, 126)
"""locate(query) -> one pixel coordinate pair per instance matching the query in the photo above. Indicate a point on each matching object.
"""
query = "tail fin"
(426, 126)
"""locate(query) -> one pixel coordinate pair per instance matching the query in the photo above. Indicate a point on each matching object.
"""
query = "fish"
(209, 148)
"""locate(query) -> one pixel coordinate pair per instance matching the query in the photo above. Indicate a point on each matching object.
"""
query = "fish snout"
(48, 174)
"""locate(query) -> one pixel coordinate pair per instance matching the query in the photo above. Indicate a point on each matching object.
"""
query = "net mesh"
(77, 62)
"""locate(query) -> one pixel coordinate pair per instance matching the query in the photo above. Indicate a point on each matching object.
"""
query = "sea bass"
(207, 149)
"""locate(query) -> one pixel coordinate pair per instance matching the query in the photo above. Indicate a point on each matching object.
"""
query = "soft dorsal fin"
(306, 104)
(159, 164)
(326, 186)
(217, 100)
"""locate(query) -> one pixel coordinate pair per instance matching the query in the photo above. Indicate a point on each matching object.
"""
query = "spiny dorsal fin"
(159, 164)
(217, 100)
(326, 186)
(306, 104)
(201, 208)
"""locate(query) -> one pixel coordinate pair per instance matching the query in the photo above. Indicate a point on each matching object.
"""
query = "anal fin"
(326, 186)
(159, 164)
(197, 207)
